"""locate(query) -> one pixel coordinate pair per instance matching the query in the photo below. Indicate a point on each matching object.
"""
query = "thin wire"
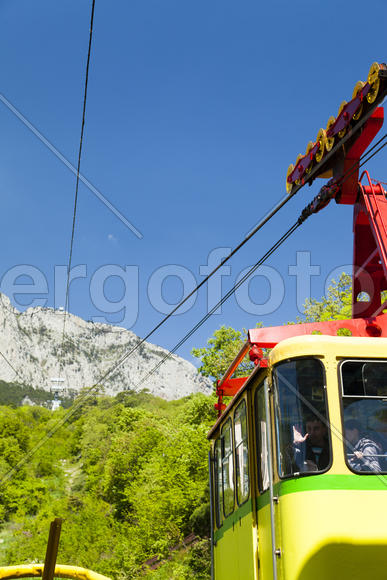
(78, 170)
(110, 371)
(100, 382)
(373, 155)
(12, 367)
(221, 302)
(248, 274)
(351, 170)
(354, 168)
(365, 157)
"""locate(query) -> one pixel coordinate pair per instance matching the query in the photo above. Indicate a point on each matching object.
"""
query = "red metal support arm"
(370, 250)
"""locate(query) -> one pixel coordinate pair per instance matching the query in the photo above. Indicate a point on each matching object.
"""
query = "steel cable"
(348, 174)
(78, 170)
(104, 377)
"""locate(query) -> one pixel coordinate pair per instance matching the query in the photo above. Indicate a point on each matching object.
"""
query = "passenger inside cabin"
(311, 451)
(362, 452)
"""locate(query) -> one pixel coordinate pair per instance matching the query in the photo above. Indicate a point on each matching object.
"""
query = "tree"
(336, 305)
(226, 342)
(222, 348)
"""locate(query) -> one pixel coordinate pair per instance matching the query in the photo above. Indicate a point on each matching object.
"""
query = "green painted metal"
(233, 519)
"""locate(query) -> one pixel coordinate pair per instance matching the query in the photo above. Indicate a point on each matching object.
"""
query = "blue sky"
(195, 110)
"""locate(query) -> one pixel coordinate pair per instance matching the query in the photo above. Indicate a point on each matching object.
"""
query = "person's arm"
(368, 456)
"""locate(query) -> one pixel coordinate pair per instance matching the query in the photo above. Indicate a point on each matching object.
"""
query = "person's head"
(316, 431)
(352, 431)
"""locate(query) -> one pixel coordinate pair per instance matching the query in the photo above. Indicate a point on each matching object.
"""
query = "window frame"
(274, 385)
(232, 479)
(342, 397)
(236, 469)
(218, 478)
(258, 436)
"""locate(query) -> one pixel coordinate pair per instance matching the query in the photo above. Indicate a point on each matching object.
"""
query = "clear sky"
(195, 110)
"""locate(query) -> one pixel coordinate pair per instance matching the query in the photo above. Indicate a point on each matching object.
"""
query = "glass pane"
(227, 469)
(303, 442)
(218, 484)
(241, 451)
(364, 379)
(263, 470)
(365, 415)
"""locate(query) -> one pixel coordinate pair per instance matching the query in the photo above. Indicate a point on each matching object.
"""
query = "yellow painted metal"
(373, 73)
(235, 547)
(289, 185)
(327, 532)
(234, 552)
(358, 87)
(334, 534)
(374, 81)
(330, 141)
(322, 139)
(329, 346)
(373, 92)
(264, 544)
(61, 571)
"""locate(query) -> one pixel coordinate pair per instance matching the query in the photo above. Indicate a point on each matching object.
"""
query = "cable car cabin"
(299, 465)
(298, 461)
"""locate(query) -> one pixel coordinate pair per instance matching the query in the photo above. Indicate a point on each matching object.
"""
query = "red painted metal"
(369, 256)
(231, 386)
(270, 336)
(234, 365)
(228, 387)
(346, 165)
(366, 327)
(370, 249)
(303, 164)
(342, 122)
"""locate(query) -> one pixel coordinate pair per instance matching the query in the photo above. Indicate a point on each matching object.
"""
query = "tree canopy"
(336, 305)
(222, 348)
(128, 474)
(224, 345)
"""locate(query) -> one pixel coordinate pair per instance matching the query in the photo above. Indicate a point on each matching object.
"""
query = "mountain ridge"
(32, 342)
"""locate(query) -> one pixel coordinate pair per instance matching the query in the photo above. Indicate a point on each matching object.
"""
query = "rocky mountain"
(32, 343)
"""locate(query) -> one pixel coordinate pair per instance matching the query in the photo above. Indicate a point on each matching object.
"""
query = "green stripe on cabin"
(303, 484)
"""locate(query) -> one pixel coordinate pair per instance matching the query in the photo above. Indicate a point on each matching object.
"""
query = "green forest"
(127, 474)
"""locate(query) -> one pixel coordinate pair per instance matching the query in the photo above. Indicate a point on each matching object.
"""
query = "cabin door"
(266, 517)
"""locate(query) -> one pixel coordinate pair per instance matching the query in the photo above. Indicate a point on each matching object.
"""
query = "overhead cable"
(280, 204)
(292, 229)
(99, 384)
(78, 170)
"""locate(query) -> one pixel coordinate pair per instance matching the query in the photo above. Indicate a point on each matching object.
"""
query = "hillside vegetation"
(128, 475)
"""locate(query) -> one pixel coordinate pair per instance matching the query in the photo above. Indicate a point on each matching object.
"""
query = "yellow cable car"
(297, 495)
(298, 460)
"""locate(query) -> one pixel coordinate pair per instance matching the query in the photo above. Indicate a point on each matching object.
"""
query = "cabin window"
(302, 427)
(260, 414)
(364, 396)
(218, 483)
(227, 469)
(241, 453)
